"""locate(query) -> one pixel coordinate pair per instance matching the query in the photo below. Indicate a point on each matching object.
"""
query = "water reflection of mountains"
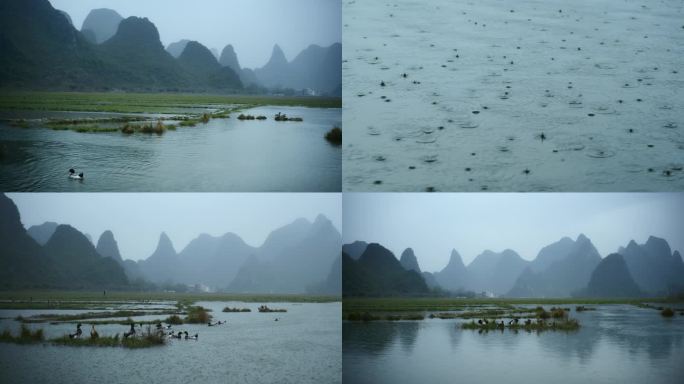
(634, 330)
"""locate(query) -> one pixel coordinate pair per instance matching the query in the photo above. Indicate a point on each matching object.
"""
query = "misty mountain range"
(563, 269)
(41, 49)
(301, 257)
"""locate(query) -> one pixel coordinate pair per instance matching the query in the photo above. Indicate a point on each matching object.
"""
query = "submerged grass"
(26, 336)
(567, 324)
(197, 314)
(149, 102)
(43, 318)
(229, 309)
(145, 340)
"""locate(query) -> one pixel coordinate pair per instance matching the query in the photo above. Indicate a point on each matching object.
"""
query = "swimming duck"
(73, 175)
(93, 332)
(187, 337)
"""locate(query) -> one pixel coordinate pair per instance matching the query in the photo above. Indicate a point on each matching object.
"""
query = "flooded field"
(221, 155)
(303, 346)
(615, 343)
(513, 96)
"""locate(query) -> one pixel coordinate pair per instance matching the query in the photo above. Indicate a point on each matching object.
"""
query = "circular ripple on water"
(426, 139)
(575, 104)
(372, 131)
(605, 66)
(604, 110)
(599, 153)
(429, 159)
(468, 124)
(571, 146)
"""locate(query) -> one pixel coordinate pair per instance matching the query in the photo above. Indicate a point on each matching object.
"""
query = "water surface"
(616, 344)
(302, 347)
(223, 155)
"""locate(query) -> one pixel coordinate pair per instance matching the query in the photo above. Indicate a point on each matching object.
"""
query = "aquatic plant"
(558, 313)
(127, 129)
(261, 117)
(229, 309)
(21, 123)
(539, 325)
(364, 316)
(581, 308)
(145, 339)
(667, 312)
(174, 319)
(205, 118)
(198, 314)
(26, 336)
(245, 117)
(188, 123)
(334, 136)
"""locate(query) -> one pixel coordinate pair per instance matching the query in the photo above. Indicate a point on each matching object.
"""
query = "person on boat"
(93, 332)
(78, 333)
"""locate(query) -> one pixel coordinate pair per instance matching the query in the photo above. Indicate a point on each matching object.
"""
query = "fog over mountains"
(41, 49)
(301, 257)
(563, 269)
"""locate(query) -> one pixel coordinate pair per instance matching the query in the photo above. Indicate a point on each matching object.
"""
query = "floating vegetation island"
(143, 340)
(229, 309)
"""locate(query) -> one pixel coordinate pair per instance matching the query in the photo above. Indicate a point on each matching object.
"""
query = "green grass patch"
(145, 340)
(26, 336)
(667, 312)
(198, 315)
(43, 318)
(567, 324)
(149, 102)
(174, 319)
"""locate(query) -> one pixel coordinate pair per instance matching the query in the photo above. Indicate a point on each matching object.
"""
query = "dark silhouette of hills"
(495, 272)
(198, 60)
(655, 268)
(176, 48)
(102, 24)
(41, 233)
(108, 247)
(355, 249)
(40, 49)
(77, 260)
(317, 68)
(332, 285)
(454, 277)
(229, 59)
(297, 263)
(163, 265)
(378, 273)
(562, 268)
(23, 262)
(611, 278)
(408, 261)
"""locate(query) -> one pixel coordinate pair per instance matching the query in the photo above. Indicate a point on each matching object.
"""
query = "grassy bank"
(93, 300)
(403, 304)
(26, 336)
(148, 102)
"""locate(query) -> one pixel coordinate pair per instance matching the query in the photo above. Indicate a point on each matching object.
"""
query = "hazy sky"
(137, 219)
(251, 26)
(434, 224)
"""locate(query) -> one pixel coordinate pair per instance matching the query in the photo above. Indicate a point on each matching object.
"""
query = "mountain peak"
(277, 57)
(164, 247)
(582, 238)
(455, 258)
(108, 247)
(408, 260)
(229, 58)
(103, 23)
(139, 32)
